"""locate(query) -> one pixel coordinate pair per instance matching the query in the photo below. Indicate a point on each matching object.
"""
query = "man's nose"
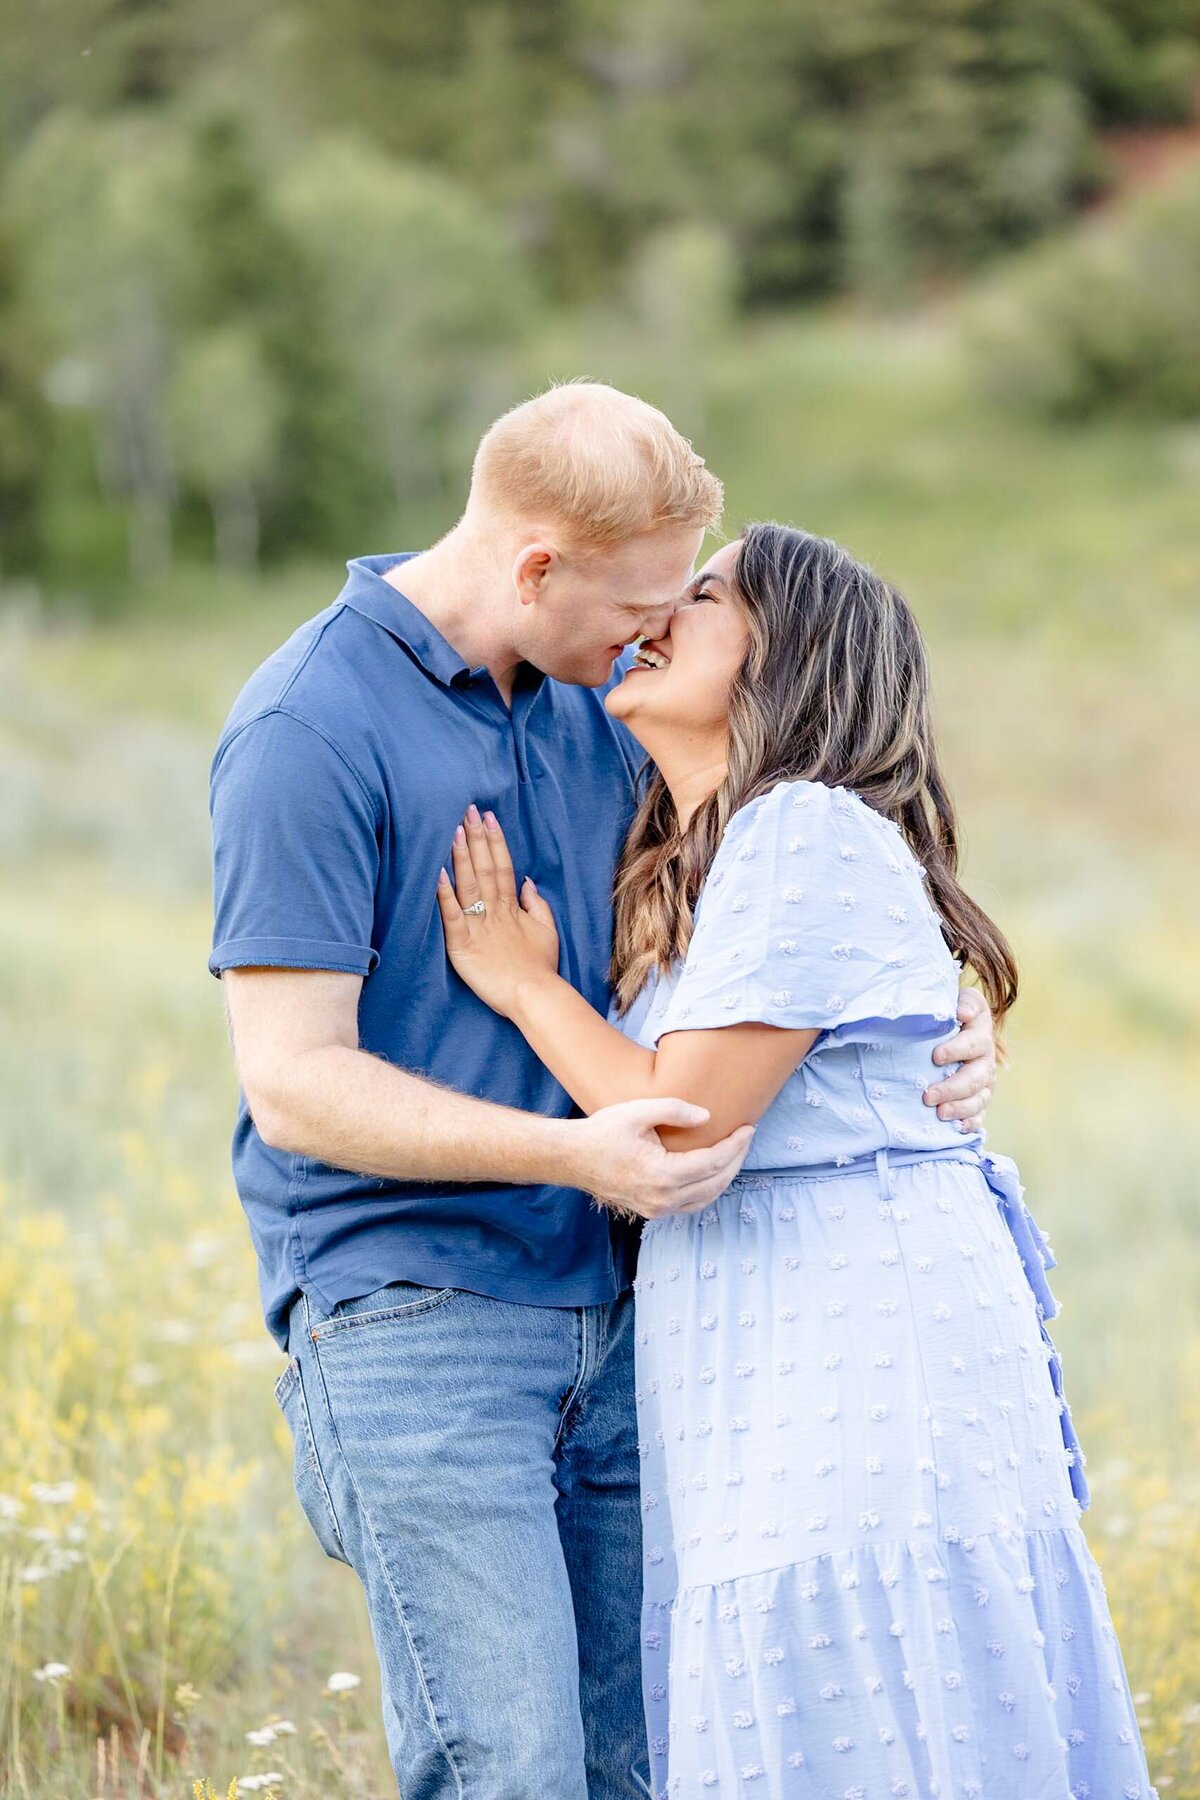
(656, 623)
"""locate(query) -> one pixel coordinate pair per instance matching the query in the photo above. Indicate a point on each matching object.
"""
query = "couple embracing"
(666, 1353)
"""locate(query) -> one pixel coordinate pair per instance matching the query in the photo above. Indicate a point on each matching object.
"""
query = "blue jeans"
(475, 1462)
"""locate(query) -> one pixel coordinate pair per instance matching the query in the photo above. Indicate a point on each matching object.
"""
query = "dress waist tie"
(1032, 1245)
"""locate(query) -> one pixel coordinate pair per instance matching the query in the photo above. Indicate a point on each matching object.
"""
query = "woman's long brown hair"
(834, 688)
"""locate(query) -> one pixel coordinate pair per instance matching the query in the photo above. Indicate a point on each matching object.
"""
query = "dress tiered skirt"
(864, 1571)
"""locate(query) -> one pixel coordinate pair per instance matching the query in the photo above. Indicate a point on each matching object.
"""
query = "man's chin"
(596, 673)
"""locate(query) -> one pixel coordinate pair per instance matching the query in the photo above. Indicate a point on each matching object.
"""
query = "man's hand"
(620, 1160)
(967, 1094)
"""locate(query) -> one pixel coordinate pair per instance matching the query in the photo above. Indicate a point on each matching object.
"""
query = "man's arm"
(296, 864)
(313, 1091)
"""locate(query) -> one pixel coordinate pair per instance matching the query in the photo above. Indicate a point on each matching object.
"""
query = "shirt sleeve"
(295, 851)
(813, 917)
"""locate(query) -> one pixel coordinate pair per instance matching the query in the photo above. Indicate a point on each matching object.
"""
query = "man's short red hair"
(600, 464)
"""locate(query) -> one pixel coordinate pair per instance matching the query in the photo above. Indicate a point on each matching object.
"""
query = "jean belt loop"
(883, 1169)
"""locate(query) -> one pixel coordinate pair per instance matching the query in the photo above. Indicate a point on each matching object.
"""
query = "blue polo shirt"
(346, 763)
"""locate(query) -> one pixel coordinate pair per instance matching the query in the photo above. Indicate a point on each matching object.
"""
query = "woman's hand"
(512, 941)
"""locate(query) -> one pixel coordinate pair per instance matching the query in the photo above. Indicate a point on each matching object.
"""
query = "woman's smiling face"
(681, 682)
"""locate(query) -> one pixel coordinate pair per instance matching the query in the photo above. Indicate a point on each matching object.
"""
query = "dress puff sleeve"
(814, 916)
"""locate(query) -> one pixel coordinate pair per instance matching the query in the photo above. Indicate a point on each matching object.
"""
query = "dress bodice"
(815, 915)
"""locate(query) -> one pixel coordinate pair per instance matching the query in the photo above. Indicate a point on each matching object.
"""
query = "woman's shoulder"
(793, 806)
(810, 840)
(814, 917)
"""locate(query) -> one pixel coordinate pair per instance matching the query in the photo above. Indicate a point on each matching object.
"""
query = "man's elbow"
(278, 1129)
(279, 1115)
(276, 1125)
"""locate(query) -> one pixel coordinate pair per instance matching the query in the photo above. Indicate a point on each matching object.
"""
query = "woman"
(864, 1572)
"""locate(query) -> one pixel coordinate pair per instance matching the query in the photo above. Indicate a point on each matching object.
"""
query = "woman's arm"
(508, 954)
(735, 1071)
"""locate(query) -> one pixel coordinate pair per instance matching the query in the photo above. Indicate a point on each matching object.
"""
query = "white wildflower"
(53, 1493)
(203, 1250)
(250, 1351)
(173, 1331)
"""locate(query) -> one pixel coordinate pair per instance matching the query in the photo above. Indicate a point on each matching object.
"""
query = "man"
(457, 1312)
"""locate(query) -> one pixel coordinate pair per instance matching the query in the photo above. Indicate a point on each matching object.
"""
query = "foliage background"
(924, 277)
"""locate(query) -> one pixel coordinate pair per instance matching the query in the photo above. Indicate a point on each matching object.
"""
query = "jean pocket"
(307, 1474)
(399, 1300)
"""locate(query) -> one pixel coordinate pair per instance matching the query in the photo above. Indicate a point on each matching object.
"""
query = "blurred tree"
(464, 84)
(97, 212)
(682, 291)
(226, 412)
(180, 182)
(420, 287)
(866, 143)
(102, 56)
(1107, 319)
(980, 147)
(252, 270)
(1134, 60)
(24, 421)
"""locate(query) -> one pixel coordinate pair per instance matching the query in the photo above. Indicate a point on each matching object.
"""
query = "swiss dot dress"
(864, 1571)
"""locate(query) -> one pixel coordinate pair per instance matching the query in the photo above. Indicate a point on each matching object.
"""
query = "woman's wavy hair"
(834, 688)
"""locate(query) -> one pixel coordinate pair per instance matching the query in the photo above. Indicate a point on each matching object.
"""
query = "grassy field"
(149, 1539)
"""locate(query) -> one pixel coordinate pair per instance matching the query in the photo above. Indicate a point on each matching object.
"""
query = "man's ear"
(530, 569)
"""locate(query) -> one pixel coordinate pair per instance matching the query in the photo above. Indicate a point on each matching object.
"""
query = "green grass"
(1056, 572)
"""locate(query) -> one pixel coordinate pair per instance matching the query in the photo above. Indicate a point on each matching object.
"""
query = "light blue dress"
(864, 1572)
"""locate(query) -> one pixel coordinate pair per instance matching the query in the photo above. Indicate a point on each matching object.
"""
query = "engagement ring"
(478, 907)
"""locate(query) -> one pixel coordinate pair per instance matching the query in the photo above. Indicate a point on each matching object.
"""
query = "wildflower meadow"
(167, 1624)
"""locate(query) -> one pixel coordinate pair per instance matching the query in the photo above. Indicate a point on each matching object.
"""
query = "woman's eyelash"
(704, 594)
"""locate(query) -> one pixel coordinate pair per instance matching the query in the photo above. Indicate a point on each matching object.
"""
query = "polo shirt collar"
(369, 594)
